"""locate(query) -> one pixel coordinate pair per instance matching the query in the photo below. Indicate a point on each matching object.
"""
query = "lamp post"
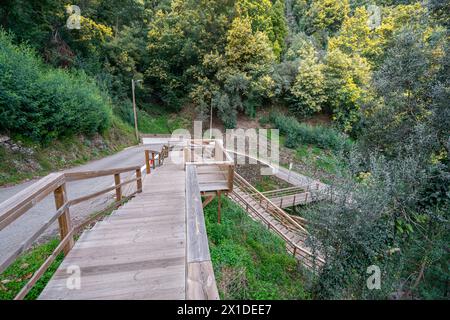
(133, 82)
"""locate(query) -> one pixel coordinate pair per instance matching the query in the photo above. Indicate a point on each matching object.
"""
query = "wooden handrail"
(200, 280)
(17, 205)
(75, 176)
(269, 204)
(296, 248)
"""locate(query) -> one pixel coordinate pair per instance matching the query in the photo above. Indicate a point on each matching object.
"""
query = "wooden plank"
(137, 252)
(201, 283)
(197, 239)
(38, 274)
(17, 205)
(75, 176)
(118, 187)
(214, 187)
(29, 241)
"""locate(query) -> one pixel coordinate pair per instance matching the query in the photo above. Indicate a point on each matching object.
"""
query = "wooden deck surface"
(139, 252)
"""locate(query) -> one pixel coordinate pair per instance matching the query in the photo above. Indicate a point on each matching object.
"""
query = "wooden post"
(293, 202)
(118, 189)
(306, 198)
(295, 251)
(65, 225)
(153, 160)
(219, 205)
(230, 177)
(281, 202)
(139, 180)
(135, 113)
(147, 161)
(159, 159)
(186, 155)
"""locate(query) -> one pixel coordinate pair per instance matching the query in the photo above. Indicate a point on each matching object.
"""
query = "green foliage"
(308, 90)
(266, 17)
(377, 219)
(177, 42)
(40, 160)
(249, 261)
(326, 15)
(347, 85)
(17, 274)
(300, 133)
(412, 88)
(43, 103)
(239, 79)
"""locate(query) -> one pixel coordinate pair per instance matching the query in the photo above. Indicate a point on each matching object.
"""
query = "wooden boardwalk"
(287, 227)
(139, 252)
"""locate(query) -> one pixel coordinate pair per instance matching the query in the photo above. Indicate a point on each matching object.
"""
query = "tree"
(326, 15)
(347, 84)
(308, 88)
(266, 17)
(239, 79)
(407, 82)
(356, 37)
(178, 40)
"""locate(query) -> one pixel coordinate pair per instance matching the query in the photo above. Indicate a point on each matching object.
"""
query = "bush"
(301, 133)
(44, 103)
(249, 261)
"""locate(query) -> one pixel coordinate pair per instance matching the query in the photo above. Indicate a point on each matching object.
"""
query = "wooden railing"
(285, 192)
(151, 161)
(16, 206)
(200, 280)
(303, 255)
(210, 152)
(296, 224)
(269, 206)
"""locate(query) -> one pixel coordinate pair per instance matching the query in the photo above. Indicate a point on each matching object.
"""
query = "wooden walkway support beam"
(65, 225)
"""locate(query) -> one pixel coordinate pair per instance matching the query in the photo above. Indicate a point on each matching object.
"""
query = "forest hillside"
(377, 69)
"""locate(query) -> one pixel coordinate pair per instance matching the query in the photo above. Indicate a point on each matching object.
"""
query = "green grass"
(268, 183)
(17, 274)
(160, 121)
(249, 261)
(317, 159)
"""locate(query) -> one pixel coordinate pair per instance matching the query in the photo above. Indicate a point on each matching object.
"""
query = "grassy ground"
(249, 261)
(16, 166)
(161, 121)
(320, 163)
(269, 183)
(18, 273)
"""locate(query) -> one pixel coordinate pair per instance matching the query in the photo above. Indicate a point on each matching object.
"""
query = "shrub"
(301, 133)
(249, 261)
(44, 103)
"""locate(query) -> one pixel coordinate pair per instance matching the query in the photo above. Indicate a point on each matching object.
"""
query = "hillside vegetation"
(378, 69)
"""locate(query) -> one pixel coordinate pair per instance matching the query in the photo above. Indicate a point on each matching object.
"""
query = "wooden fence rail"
(276, 211)
(296, 250)
(200, 280)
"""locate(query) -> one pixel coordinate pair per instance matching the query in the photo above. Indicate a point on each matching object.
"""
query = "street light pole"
(210, 123)
(134, 109)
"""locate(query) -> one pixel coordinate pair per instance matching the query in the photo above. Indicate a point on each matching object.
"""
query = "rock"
(4, 139)
(24, 265)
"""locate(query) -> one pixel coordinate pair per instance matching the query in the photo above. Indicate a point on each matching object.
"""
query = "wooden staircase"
(295, 196)
(292, 231)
